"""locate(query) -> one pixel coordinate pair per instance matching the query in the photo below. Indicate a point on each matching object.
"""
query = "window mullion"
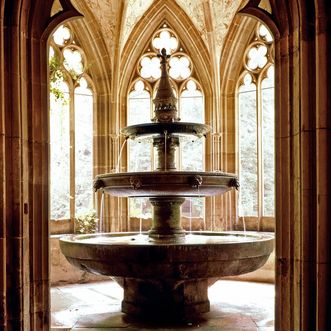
(259, 148)
(72, 155)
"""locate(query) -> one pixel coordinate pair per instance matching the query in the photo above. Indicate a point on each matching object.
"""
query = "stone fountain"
(165, 272)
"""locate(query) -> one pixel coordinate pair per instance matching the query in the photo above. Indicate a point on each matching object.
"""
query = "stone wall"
(62, 272)
(303, 140)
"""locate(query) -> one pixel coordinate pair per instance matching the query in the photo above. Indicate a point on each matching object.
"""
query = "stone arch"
(238, 37)
(100, 70)
(302, 251)
(171, 13)
(303, 180)
(25, 26)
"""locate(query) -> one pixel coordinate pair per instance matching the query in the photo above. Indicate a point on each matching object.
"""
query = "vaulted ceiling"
(117, 18)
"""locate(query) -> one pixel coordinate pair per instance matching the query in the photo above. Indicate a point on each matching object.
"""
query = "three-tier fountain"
(165, 272)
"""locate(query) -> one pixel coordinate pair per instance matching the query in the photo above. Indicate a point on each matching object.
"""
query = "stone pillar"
(24, 229)
(166, 149)
(165, 299)
(166, 218)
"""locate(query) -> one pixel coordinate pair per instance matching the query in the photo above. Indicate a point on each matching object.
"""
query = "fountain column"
(165, 152)
(166, 218)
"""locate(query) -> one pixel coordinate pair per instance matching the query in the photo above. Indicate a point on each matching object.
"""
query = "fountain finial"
(165, 100)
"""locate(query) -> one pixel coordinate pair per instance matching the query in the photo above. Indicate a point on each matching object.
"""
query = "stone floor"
(96, 306)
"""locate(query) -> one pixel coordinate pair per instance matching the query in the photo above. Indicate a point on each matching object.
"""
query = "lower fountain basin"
(198, 255)
(168, 279)
(165, 183)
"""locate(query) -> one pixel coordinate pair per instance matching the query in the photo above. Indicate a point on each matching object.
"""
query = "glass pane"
(140, 208)
(257, 57)
(248, 194)
(139, 150)
(150, 67)
(59, 151)
(193, 207)
(192, 107)
(61, 35)
(167, 41)
(73, 61)
(192, 148)
(83, 149)
(139, 111)
(179, 67)
(139, 105)
(192, 151)
(265, 34)
(140, 155)
(268, 143)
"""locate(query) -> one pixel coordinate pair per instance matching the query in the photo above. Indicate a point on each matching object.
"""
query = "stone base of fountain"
(163, 299)
(167, 279)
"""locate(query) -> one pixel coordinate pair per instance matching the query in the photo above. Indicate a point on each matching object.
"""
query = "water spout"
(244, 225)
(230, 209)
(140, 216)
(101, 213)
(120, 155)
(190, 215)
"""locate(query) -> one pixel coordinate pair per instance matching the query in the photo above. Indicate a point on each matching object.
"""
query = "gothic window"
(71, 128)
(190, 108)
(256, 127)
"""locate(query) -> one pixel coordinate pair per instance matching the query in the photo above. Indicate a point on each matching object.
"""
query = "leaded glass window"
(71, 128)
(255, 96)
(190, 108)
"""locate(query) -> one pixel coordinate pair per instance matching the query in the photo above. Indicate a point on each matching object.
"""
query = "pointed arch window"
(139, 105)
(190, 108)
(71, 129)
(255, 99)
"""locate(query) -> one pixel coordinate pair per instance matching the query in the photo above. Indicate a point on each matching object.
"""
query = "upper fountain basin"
(166, 183)
(146, 129)
(199, 255)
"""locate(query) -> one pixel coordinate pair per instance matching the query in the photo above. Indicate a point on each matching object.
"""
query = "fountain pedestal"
(165, 298)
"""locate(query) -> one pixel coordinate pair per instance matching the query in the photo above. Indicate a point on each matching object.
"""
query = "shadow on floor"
(97, 306)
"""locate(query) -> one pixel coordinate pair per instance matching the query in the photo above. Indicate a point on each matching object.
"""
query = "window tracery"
(190, 106)
(71, 128)
(255, 99)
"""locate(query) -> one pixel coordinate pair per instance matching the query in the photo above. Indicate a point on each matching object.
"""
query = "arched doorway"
(303, 160)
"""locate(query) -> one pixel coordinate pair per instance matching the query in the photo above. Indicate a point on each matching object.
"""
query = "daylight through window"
(71, 128)
(256, 128)
(190, 107)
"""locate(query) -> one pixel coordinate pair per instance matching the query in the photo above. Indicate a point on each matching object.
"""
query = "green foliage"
(56, 76)
(71, 71)
(86, 223)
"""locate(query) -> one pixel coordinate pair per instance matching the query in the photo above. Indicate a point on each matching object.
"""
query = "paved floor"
(96, 306)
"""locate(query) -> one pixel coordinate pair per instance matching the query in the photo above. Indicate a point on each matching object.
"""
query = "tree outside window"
(255, 96)
(71, 128)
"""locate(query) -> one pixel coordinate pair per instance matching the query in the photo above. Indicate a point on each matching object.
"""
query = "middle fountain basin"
(163, 183)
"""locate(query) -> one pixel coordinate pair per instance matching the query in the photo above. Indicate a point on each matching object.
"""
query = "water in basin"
(198, 238)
